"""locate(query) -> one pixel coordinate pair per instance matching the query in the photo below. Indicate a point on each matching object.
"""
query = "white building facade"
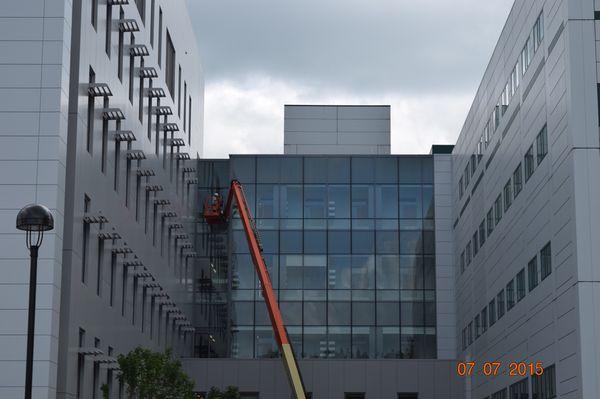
(525, 224)
(101, 105)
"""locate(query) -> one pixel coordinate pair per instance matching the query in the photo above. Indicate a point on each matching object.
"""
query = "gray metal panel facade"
(331, 379)
(44, 159)
(337, 129)
(555, 322)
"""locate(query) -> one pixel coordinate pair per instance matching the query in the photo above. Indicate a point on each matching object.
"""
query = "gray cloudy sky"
(425, 58)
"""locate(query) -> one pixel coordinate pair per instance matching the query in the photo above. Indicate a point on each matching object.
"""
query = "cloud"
(425, 58)
(247, 117)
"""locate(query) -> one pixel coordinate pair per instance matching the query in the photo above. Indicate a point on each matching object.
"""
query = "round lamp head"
(35, 217)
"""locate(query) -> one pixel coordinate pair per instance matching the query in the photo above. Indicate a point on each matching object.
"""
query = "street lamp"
(34, 220)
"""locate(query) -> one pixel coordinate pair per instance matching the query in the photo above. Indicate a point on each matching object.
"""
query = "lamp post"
(34, 220)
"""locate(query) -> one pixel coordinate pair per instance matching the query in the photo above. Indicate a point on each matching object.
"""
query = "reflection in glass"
(242, 345)
(266, 347)
(315, 342)
(363, 272)
(388, 272)
(388, 313)
(386, 201)
(338, 242)
(363, 204)
(338, 202)
(267, 201)
(290, 242)
(363, 313)
(412, 314)
(243, 313)
(291, 201)
(338, 343)
(291, 313)
(242, 272)
(315, 313)
(428, 208)
(338, 313)
(363, 342)
(411, 276)
(315, 272)
(410, 202)
(314, 202)
(388, 342)
(340, 272)
(411, 242)
(387, 242)
(363, 242)
(315, 242)
(290, 272)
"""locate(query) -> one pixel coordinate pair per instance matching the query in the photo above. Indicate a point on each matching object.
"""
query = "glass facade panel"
(349, 244)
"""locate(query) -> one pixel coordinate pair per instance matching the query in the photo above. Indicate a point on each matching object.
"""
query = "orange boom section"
(216, 213)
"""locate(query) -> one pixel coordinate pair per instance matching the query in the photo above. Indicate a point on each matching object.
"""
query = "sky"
(425, 58)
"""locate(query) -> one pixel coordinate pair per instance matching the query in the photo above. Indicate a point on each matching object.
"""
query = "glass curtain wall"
(349, 243)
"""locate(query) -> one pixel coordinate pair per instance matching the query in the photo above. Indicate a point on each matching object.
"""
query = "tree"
(231, 393)
(154, 375)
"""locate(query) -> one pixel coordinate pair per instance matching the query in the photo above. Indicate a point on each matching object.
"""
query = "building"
(100, 108)
(525, 223)
(337, 129)
(359, 250)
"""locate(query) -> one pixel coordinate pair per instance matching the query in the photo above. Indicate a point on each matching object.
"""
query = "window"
(124, 290)
(529, 165)
(486, 134)
(131, 71)
(113, 274)
(354, 395)
(538, 32)
(470, 333)
(484, 320)
(541, 143)
(500, 304)
(120, 48)
(96, 375)
(462, 262)
(473, 164)
(498, 209)
(170, 66)
(492, 312)
(460, 188)
(109, 21)
(482, 233)
(86, 240)
(141, 96)
(490, 221)
(91, 114)
(475, 244)
(517, 180)
(521, 285)
(468, 253)
(190, 121)
(104, 150)
(477, 326)
(95, 14)
(152, 12)
(141, 6)
(184, 106)
(519, 390)
(408, 396)
(496, 117)
(544, 386)
(467, 175)
(179, 93)
(510, 294)
(499, 395)
(80, 364)
(546, 261)
(532, 273)
(526, 56)
(464, 338)
(507, 195)
(100, 268)
(160, 29)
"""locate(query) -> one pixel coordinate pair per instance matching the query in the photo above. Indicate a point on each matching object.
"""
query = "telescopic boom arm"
(214, 213)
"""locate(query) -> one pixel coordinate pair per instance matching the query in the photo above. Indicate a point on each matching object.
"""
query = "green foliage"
(154, 375)
(230, 393)
(105, 391)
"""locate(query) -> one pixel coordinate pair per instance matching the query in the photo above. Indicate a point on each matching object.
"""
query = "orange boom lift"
(215, 213)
